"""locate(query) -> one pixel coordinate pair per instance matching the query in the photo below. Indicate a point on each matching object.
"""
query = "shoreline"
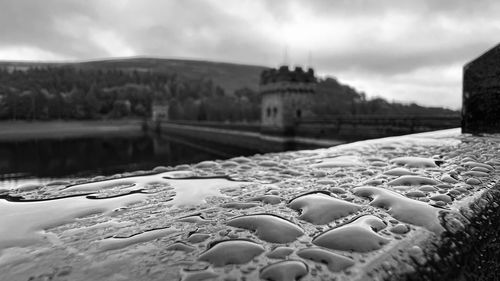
(56, 129)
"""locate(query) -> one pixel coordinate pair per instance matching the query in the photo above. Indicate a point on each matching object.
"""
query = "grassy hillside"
(229, 76)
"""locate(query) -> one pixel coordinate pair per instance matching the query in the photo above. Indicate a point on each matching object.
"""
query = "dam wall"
(309, 133)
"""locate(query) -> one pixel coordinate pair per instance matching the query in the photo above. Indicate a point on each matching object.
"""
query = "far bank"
(23, 130)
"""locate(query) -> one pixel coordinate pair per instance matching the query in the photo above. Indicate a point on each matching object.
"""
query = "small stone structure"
(159, 111)
(481, 93)
(285, 98)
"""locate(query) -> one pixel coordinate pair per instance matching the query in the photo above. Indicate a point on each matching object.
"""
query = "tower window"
(275, 111)
(299, 113)
(268, 112)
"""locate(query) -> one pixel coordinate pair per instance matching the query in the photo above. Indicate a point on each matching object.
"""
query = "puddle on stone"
(189, 191)
(22, 223)
(402, 208)
(359, 235)
(284, 271)
(319, 208)
(334, 262)
(115, 243)
(416, 162)
(234, 251)
(270, 228)
(412, 180)
(340, 161)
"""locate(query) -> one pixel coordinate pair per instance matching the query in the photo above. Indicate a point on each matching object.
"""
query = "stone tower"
(286, 98)
(481, 94)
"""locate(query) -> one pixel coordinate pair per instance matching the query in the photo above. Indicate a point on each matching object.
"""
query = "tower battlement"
(285, 74)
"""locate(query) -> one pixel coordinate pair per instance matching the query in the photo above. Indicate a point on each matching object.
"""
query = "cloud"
(397, 49)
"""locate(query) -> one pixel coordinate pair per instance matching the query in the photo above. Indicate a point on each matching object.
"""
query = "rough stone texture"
(417, 207)
(481, 94)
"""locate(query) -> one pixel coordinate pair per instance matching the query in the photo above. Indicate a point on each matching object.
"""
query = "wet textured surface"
(269, 228)
(347, 213)
(359, 235)
(334, 262)
(319, 208)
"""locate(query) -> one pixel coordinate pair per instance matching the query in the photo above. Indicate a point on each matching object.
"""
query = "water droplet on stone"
(475, 174)
(198, 237)
(161, 169)
(319, 208)
(115, 243)
(341, 161)
(480, 169)
(337, 190)
(412, 180)
(180, 246)
(280, 252)
(239, 205)
(227, 164)
(472, 164)
(359, 235)
(473, 181)
(399, 172)
(206, 165)
(194, 219)
(270, 228)
(235, 251)
(448, 179)
(415, 162)
(334, 262)
(199, 275)
(415, 194)
(400, 229)
(402, 208)
(267, 199)
(427, 188)
(441, 197)
(284, 271)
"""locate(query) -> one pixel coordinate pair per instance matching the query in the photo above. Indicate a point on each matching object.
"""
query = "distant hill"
(194, 90)
(228, 75)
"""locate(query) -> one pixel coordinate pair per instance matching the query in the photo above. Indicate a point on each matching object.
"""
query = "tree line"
(68, 92)
(71, 93)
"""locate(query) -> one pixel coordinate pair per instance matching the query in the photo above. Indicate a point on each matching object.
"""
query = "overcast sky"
(410, 51)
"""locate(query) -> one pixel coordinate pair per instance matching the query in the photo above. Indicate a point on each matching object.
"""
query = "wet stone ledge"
(417, 207)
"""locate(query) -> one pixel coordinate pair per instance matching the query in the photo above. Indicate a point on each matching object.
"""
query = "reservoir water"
(35, 161)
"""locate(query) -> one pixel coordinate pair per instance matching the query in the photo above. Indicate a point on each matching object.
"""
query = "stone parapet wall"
(415, 207)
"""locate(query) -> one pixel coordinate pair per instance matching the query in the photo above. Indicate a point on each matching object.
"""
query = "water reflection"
(39, 161)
